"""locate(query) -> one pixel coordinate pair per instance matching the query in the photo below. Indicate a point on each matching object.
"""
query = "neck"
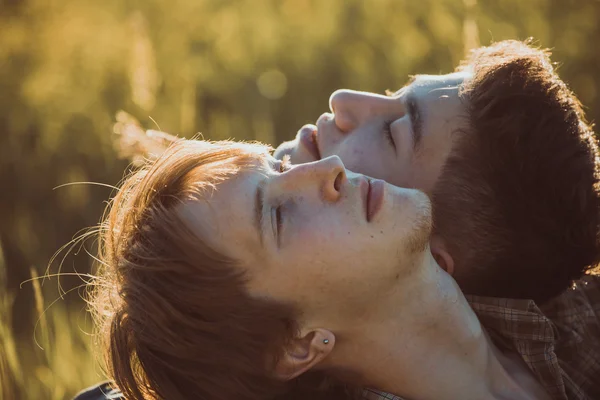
(440, 352)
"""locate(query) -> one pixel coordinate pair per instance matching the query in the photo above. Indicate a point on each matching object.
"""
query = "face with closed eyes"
(404, 138)
(315, 235)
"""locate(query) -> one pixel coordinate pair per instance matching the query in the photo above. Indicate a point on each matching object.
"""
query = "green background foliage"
(244, 69)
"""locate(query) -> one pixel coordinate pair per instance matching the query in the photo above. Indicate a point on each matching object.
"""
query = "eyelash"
(278, 222)
(387, 131)
(285, 164)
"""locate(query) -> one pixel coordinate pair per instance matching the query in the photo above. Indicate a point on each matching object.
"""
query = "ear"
(303, 353)
(441, 255)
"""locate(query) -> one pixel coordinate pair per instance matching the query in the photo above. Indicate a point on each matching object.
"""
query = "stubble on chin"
(418, 240)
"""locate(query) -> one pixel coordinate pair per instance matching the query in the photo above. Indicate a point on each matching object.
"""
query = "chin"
(422, 225)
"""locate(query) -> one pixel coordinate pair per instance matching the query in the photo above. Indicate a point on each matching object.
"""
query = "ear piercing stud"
(326, 341)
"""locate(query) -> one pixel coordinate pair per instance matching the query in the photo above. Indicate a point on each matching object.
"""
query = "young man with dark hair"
(503, 149)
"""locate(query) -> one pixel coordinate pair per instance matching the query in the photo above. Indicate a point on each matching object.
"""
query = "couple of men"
(315, 281)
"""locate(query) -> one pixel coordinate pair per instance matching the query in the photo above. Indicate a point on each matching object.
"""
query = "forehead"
(432, 87)
(223, 216)
(441, 106)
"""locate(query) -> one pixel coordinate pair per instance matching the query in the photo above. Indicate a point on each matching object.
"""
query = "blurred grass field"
(61, 360)
(244, 69)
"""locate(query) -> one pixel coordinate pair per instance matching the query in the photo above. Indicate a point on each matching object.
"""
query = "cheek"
(353, 155)
(428, 169)
(363, 158)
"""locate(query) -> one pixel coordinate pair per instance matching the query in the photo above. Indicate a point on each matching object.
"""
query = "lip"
(373, 194)
(308, 139)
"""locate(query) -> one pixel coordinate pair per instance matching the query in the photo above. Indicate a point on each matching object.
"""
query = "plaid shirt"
(559, 340)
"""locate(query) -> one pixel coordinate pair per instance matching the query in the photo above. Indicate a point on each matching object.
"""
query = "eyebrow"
(414, 110)
(416, 122)
(259, 206)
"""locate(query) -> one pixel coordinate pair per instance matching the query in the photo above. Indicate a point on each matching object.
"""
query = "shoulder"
(101, 391)
(582, 300)
(576, 317)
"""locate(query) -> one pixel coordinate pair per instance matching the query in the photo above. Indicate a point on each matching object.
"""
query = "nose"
(328, 175)
(352, 108)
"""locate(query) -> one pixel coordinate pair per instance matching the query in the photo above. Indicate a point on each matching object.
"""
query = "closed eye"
(387, 132)
(278, 223)
(283, 166)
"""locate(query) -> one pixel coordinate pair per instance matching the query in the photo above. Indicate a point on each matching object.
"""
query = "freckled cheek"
(360, 158)
(321, 241)
(351, 153)
(317, 238)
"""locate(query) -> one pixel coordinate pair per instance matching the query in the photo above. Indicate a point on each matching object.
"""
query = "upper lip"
(325, 127)
(309, 141)
(373, 194)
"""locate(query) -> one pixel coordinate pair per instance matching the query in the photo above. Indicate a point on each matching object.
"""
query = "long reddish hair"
(173, 313)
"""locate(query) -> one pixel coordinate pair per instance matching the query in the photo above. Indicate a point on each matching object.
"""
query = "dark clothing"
(101, 391)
